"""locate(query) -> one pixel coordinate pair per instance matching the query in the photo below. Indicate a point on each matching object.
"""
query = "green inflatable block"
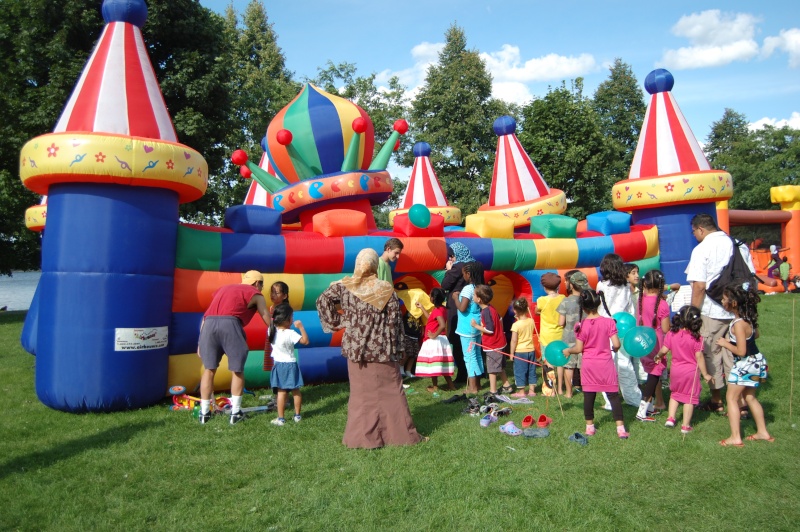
(198, 250)
(554, 226)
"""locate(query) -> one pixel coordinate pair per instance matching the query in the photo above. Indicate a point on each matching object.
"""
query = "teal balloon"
(554, 355)
(625, 322)
(419, 216)
(640, 341)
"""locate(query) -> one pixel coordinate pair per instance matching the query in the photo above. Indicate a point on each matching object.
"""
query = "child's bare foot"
(732, 442)
(451, 388)
(432, 389)
(568, 396)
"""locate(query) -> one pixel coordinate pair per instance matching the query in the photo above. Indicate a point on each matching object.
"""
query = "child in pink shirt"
(653, 312)
(598, 373)
(686, 345)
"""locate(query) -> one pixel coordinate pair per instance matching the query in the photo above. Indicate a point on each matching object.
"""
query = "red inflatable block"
(403, 225)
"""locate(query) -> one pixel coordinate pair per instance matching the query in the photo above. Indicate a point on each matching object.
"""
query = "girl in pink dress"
(686, 345)
(435, 357)
(598, 373)
(653, 312)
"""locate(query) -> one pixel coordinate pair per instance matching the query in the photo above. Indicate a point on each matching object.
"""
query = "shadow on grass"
(322, 400)
(65, 450)
(12, 316)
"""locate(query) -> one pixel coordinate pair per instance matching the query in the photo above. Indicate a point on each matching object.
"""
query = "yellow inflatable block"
(553, 253)
(184, 370)
(651, 237)
(490, 226)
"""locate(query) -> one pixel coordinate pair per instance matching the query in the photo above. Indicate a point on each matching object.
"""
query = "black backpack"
(736, 270)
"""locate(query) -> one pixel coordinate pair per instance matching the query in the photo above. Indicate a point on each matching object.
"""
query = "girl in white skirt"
(285, 374)
(435, 357)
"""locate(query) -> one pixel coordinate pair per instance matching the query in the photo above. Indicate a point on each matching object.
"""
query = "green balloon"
(554, 355)
(640, 341)
(625, 322)
(419, 216)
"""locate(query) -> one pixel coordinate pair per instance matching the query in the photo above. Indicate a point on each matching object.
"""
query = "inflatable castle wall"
(115, 319)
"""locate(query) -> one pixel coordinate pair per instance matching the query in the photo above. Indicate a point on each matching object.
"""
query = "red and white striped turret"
(666, 143)
(518, 189)
(118, 91)
(515, 179)
(424, 189)
(669, 167)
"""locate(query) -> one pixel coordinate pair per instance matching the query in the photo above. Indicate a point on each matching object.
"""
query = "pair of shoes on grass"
(280, 421)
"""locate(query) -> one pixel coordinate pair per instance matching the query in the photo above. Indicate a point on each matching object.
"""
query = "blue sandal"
(511, 429)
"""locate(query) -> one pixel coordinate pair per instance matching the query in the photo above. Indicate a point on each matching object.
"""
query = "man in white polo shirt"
(709, 258)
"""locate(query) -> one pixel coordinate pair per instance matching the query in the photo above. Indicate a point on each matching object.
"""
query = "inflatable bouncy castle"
(115, 320)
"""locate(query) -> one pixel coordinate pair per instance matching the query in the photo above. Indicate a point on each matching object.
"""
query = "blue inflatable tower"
(114, 174)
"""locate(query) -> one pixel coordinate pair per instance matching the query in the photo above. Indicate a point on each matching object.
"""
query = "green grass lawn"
(154, 469)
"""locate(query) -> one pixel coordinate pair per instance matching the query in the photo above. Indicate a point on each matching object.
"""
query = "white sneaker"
(279, 421)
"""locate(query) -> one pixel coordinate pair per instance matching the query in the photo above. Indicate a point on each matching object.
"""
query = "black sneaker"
(204, 418)
(237, 417)
(507, 389)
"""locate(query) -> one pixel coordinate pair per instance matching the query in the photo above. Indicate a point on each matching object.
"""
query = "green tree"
(258, 85)
(454, 112)
(620, 106)
(726, 136)
(757, 160)
(562, 134)
(43, 47)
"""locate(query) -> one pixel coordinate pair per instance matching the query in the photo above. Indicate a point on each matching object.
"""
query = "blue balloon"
(554, 354)
(419, 216)
(640, 341)
(625, 322)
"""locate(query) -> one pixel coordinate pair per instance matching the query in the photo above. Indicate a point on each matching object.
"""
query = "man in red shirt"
(222, 331)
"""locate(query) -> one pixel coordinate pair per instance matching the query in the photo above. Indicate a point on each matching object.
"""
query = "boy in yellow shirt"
(549, 329)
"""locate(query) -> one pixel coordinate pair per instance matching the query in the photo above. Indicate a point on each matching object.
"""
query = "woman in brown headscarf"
(377, 412)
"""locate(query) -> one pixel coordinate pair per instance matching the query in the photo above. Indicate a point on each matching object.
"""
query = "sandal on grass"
(511, 429)
(752, 437)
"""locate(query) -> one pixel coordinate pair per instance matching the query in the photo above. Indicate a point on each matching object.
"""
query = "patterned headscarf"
(461, 253)
(364, 283)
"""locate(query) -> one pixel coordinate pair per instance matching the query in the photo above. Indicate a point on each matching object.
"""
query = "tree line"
(224, 77)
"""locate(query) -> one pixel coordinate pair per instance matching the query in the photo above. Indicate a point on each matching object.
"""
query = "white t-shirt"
(283, 345)
(618, 298)
(708, 259)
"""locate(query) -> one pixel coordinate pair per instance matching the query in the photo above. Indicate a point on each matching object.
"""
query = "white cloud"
(424, 54)
(787, 41)
(510, 74)
(715, 39)
(793, 122)
(506, 66)
(512, 92)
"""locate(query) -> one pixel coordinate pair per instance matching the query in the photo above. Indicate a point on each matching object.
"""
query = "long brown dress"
(377, 412)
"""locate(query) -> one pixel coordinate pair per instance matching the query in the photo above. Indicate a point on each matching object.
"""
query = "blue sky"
(737, 54)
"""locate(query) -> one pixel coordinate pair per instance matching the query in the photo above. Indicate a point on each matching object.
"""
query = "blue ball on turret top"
(422, 149)
(659, 80)
(131, 11)
(505, 125)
